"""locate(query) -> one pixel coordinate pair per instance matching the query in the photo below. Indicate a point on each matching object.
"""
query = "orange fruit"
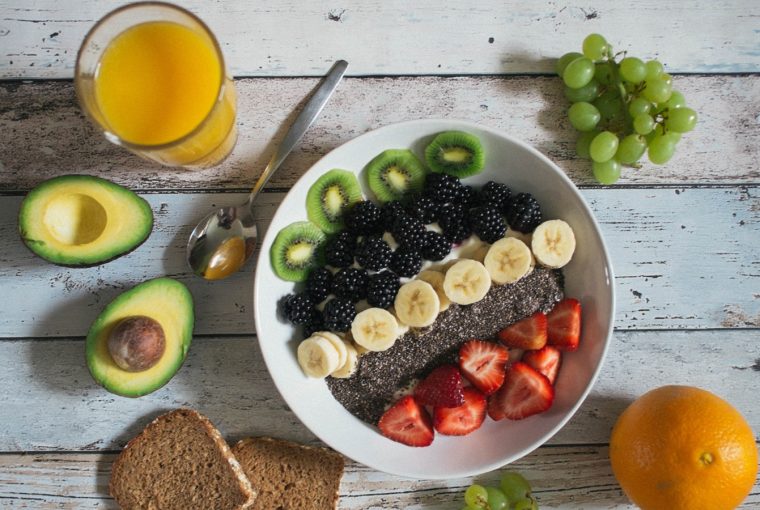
(680, 447)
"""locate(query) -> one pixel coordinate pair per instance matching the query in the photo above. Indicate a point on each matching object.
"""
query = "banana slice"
(553, 243)
(466, 282)
(349, 367)
(338, 343)
(417, 304)
(481, 252)
(508, 260)
(435, 279)
(318, 357)
(402, 328)
(526, 238)
(374, 329)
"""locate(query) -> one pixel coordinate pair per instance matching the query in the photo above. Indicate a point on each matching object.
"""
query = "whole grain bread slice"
(179, 461)
(290, 476)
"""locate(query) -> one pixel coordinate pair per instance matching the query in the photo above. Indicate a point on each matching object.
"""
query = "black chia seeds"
(380, 375)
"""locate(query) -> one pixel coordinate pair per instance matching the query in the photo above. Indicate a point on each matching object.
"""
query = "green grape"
(496, 499)
(603, 146)
(587, 93)
(654, 69)
(534, 506)
(676, 100)
(667, 78)
(583, 116)
(595, 46)
(523, 504)
(514, 486)
(578, 72)
(643, 124)
(609, 105)
(657, 91)
(566, 59)
(638, 106)
(633, 69)
(680, 120)
(476, 496)
(630, 149)
(583, 143)
(606, 172)
(661, 148)
(603, 73)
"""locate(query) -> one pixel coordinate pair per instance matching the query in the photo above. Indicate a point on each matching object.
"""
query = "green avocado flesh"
(80, 220)
(164, 300)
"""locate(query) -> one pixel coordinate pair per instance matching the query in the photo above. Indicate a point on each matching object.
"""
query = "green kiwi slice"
(457, 153)
(394, 173)
(330, 196)
(296, 250)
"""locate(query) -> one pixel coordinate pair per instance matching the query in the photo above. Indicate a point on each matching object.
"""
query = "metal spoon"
(224, 240)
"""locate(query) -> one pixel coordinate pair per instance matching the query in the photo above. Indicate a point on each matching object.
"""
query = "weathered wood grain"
(45, 134)
(50, 402)
(293, 38)
(669, 247)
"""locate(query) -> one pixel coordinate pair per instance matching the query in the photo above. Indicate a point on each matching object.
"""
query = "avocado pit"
(137, 343)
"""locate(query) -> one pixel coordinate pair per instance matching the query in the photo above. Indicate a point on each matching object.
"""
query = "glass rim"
(110, 135)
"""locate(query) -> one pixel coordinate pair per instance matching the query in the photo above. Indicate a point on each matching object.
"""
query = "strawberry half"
(460, 421)
(483, 364)
(529, 333)
(442, 388)
(408, 423)
(545, 360)
(564, 323)
(525, 392)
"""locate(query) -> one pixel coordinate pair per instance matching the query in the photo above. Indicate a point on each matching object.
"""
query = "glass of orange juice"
(151, 77)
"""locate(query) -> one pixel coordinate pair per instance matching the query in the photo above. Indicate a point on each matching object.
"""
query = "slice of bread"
(180, 461)
(290, 476)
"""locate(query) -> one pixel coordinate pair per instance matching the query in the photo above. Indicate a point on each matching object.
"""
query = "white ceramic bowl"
(588, 278)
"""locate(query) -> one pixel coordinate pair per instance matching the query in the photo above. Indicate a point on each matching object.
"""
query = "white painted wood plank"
(45, 134)
(561, 477)
(668, 247)
(294, 38)
(50, 403)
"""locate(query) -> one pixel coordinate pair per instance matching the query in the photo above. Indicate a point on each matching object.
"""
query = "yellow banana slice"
(435, 278)
(317, 357)
(553, 243)
(417, 304)
(508, 260)
(466, 282)
(349, 367)
(338, 343)
(374, 329)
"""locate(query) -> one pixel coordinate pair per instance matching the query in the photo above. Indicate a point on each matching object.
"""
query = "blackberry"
(316, 322)
(406, 262)
(382, 289)
(455, 226)
(373, 253)
(338, 314)
(319, 284)
(466, 195)
(424, 209)
(350, 283)
(297, 308)
(389, 213)
(524, 213)
(487, 223)
(442, 188)
(363, 218)
(435, 247)
(497, 194)
(339, 250)
(408, 231)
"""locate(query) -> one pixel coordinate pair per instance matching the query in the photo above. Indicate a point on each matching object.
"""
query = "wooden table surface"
(684, 238)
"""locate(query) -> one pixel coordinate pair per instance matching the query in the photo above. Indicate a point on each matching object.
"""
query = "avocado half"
(81, 220)
(165, 300)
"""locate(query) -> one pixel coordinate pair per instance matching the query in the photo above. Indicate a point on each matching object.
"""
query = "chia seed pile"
(380, 375)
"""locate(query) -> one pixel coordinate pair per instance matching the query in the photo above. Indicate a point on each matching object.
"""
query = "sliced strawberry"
(545, 360)
(408, 423)
(529, 333)
(483, 363)
(460, 421)
(525, 392)
(442, 388)
(565, 325)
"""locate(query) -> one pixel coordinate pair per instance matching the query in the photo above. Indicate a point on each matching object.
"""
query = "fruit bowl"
(588, 277)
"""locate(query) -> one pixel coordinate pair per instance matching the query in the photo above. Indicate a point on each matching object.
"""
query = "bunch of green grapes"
(622, 108)
(513, 493)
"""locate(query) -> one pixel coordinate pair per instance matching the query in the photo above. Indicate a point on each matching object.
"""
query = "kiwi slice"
(457, 153)
(296, 250)
(330, 196)
(394, 173)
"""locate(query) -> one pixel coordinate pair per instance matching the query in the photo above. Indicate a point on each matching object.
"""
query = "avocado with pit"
(141, 338)
(81, 220)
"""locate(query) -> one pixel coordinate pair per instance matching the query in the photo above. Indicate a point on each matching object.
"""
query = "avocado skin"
(141, 208)
(165, 300)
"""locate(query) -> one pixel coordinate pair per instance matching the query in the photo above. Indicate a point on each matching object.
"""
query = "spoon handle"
(305, 118)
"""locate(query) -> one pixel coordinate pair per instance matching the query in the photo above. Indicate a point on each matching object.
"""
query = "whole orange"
(680, 447)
